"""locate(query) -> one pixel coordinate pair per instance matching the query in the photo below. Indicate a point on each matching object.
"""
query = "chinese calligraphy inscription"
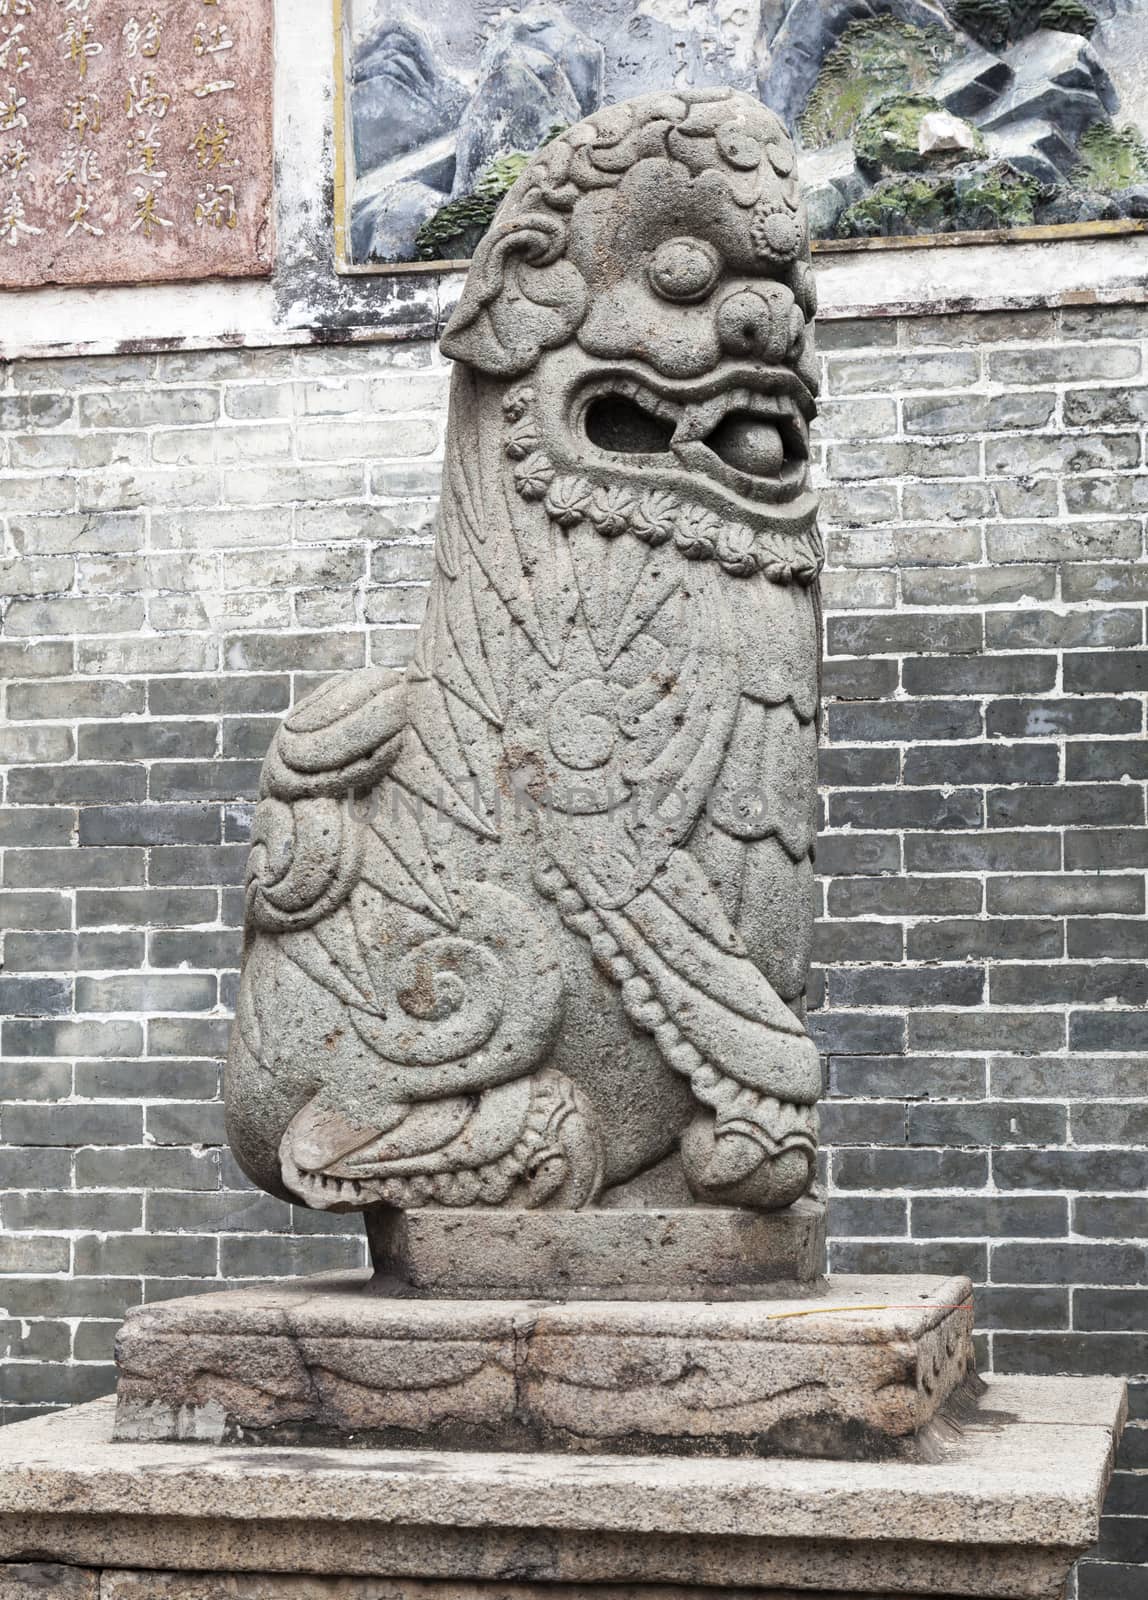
(135, 140)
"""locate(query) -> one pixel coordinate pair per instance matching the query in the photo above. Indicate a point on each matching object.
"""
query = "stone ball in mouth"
(749, 444)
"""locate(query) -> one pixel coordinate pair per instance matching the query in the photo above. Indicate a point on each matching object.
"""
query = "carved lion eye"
(684, 269)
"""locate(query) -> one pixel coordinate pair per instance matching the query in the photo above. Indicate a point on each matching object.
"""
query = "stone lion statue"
(529, 923)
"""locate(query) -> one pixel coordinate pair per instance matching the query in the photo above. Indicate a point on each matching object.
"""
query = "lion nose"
(762, 323)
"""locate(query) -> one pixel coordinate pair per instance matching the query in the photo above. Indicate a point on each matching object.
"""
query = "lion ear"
(521, 297)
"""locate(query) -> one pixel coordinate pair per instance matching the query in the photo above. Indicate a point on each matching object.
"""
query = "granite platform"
(872, 1367)
(1011, 1502)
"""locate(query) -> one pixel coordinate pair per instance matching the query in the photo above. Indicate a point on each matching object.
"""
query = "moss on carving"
(896, 206)
(876, 57)
(1001, 22)
(1069, 16)
(997, 197)
(455, 228)
(1111, 158)
(887, 137)
(984, 198)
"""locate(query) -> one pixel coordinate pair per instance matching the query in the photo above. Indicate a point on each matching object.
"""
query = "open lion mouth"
(748, 429)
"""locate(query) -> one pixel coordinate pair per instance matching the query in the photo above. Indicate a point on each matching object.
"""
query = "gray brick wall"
(191, 541)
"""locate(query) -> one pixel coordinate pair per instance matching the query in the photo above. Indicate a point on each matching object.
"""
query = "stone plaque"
(135, 140)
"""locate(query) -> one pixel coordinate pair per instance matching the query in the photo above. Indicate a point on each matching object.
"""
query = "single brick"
(71, 1038)
(1094, 937)
(150, 825)
(894, 374)
(1068, 630)
(984, 852)
(141, 908)
(186, 1123)
(1079, 1077)
(150, 992)
(906, 721)
(173, 781)
(976, 674)
(35, 997)
(227, 695)
(1115, 672)
(1014, 1032)
(858, 853)
(1078, 803)
(1064, 894)
(1062, 541)
(1110, 1217)
(1051, 1262)
(1063, 364)
(81, 784)
(981, 763)
(1110, 1170)
(72, 1125)
(846, 766)
(955, 939)
(919, 808)
(1030, 1307)
(909, 1169)
(150, 1170)
(1036, 719)
(147, 1253)
(996, 1125)
(862, 1122)
(973, 586)
(987, 1216)
(978, 413)
(902, 546)
(1106, 848)
(22, 1254)
(1108, 1030)
(147, 741)
(1125, 1125)
(862, 1215)
(857, 1033)
(909, 1077)
(72, 868)
(198, 864)
(907, 632)
(903, 896)
(960, 984)
(959, 1259)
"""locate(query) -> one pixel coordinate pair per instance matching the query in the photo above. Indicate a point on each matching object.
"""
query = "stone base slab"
(34, 1582)
(1001, 1515)
(695, 1253)
(863, 1370)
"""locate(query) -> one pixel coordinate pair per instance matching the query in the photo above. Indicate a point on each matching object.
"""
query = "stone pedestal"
(870, 1368)
(1005, 1510)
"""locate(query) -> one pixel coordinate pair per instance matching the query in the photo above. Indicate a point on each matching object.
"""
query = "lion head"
(645, 300)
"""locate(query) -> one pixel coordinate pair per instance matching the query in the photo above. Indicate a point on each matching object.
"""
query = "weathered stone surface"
(861, 1370)
(1003, 1513)
(402, 97)
(811, 28)
(265, 1586)
(537, 73)
(531, 923)
(381, 222)
(940, 131)
(37, 1580)
(1058, 78)
(972, 82)
(830, 182)
(701, 1253)
(1035, 147)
